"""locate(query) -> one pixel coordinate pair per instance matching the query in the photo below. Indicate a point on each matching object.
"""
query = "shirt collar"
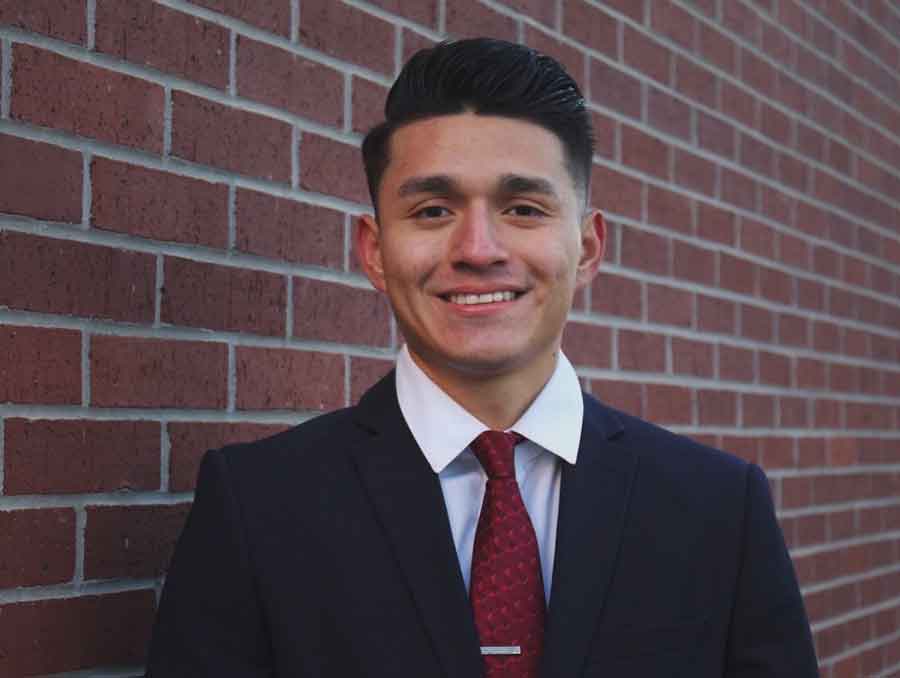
(443, 428)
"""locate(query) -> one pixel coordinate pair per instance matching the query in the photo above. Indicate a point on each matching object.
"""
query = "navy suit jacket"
(325, 551)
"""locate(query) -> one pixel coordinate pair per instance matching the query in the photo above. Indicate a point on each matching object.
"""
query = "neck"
(497, 400)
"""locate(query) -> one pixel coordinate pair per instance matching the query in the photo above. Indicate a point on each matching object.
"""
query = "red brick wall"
(177, 184)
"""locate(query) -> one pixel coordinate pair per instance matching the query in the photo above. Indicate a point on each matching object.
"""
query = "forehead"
(475, 150)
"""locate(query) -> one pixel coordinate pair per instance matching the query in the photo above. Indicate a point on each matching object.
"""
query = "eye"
(525, 210)
(432, 212)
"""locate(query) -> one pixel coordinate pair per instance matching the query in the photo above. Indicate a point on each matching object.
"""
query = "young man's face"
(480, 244)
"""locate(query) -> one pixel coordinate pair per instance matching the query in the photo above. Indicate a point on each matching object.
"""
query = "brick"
(716, 224)
(283, 379)
(742, 21)
(332, 168)
(29, 561)
(668, 114)
(756, 323)
(793, 330)
(588, 345)
(199, 294)
(284, 80)
(810, 294)
(668, 404)
(827, 413)
(757, 410)
(810, 142)
(869, 416)
(423, 12)
(738, 104)
(776, 45)
(810, 452)
(128, 199)
(791, 92)
(694, 173)
(629, 8)
(774, 369)
(843, 378)
(670, 306)
(367, 104)
(132, 372)
(593, 28)
(826, 261)
(826, 336)
(793, 251)
(776, 286)
(413, 42)
(792, 412)
(716, 47)
(737, 274)
(695, 82)
(62, 20)
(325, 311)
(776, 453)
(670, 210)
(641, 351)
(188, 441)
(605, 132)
(40, 365)
(841, 302)
(692, 358)
(613, 89)
(61, 457)
(644, 152)
(469, 18)
(39, 180)
(776, 205)
(756, 156)
(270, 15)
(149, 34)
(694, 263)
(715, 135)
(643, 54)
(717, 408)
(791, 171)
(50, 90)
(281, 228)
(757, 73)
(645, 251)
(571, 58)
(209, 133)
(670, 20)
(796, 492)
(623, 395)
(618, 193)
(616, 295)
(746, 447)
(738, 189)
(131, 541)
(53, 636)
(854, 271)
(364, 373)
(715, 315)
(757, 238)
(61, 276)
(736, 363)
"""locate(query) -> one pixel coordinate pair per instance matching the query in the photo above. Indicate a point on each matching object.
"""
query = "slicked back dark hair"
(486, 77)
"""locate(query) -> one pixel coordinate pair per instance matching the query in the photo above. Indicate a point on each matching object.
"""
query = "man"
(476, 514)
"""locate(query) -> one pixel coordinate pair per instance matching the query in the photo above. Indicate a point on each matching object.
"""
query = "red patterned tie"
(507, 590)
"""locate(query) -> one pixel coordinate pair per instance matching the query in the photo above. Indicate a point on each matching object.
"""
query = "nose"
(476, 242)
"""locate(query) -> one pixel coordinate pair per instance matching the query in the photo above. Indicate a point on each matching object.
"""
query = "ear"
(367, 243)
(593, 245)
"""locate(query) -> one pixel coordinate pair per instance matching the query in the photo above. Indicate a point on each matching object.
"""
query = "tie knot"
(494, 450)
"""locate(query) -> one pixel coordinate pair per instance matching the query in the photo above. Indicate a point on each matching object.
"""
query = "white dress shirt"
(443, 430)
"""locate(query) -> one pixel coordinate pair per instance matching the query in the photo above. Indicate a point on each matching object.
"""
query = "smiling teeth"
(489, 298)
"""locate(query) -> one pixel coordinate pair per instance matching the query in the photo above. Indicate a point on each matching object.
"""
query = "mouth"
(481, 298)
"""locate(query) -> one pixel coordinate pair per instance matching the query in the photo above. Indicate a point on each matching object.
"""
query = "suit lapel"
(593, 501)
(407, 499)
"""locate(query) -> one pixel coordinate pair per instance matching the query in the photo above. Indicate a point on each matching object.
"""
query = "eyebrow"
(443, 184)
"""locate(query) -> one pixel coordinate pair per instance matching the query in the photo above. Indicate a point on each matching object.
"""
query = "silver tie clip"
(501, 649)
